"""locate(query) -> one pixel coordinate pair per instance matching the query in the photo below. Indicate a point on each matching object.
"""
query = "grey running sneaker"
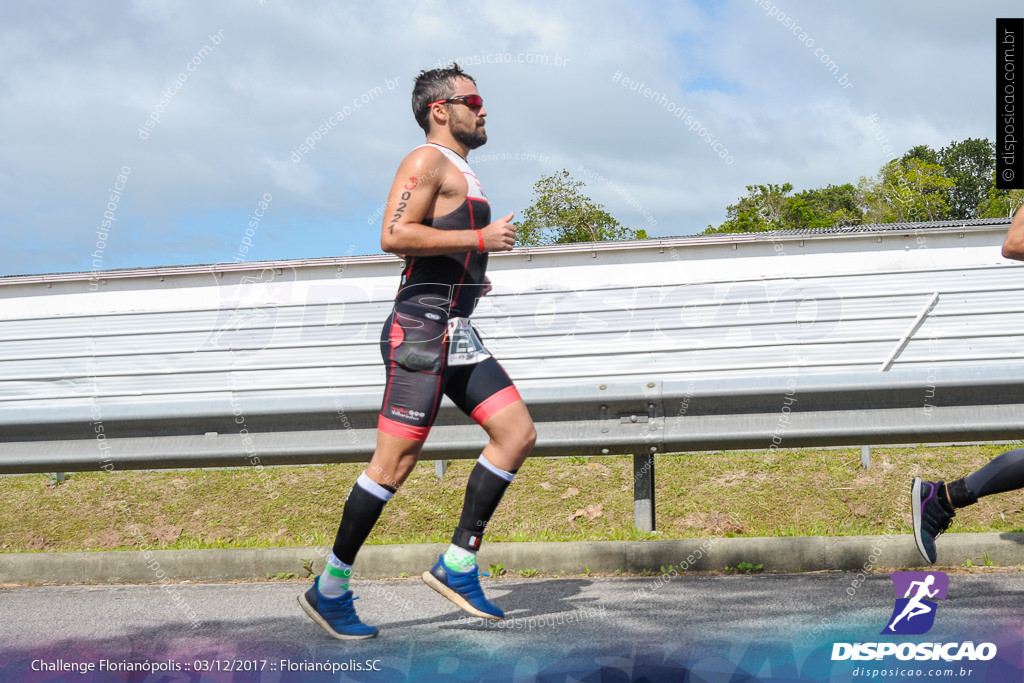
(932, 515)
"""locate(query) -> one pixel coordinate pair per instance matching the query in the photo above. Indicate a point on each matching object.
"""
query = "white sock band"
(373, 488)
(507, 476)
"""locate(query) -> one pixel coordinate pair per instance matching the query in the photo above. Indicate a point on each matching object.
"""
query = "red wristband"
(480, 236)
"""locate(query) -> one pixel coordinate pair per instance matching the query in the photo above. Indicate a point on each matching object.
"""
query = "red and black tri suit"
(414, 342)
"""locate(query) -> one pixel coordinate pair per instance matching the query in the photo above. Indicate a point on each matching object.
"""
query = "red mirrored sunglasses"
(471, 101)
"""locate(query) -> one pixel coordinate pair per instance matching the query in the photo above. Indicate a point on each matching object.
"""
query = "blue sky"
(78, 81)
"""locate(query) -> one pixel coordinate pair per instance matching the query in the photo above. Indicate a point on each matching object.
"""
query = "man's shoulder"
(426, 157)
(427, 163)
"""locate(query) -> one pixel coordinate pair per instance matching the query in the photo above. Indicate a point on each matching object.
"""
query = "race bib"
(464, 346)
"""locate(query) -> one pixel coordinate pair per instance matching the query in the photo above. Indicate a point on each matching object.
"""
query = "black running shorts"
(414, 347)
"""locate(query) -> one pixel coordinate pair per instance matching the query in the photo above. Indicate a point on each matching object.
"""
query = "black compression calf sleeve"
(362, 510)
(484, 491)
(1003, 473)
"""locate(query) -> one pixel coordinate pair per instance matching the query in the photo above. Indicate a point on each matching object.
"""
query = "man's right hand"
(500, 235)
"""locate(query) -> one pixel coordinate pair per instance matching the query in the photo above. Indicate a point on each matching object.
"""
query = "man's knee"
(522, 440)
(530, 438)
(392, 463)
(391, 468)
(519, 439)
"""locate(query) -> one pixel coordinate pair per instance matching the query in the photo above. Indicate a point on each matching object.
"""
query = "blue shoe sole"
(457, 599)
(316, 616)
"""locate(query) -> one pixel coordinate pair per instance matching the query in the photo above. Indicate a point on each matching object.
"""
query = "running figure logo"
(914, 612)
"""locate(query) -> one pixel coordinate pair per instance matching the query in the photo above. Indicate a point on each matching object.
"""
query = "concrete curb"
(793, 554)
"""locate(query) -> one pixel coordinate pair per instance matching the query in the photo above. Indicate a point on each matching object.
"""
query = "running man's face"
(466, 123)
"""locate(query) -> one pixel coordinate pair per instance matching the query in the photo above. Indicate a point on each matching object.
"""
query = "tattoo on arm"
(403, 204)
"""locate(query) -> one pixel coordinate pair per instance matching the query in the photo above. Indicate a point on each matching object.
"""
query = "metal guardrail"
(639, 419)
(595, 419)
(817, 341)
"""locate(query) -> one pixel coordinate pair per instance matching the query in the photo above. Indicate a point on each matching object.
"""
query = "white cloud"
(79, 80)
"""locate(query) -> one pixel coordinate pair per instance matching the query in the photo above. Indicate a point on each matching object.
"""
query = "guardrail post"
(643, 491)
(865, 457)
(440, 467)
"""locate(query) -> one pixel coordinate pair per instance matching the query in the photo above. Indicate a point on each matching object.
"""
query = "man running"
(934, 502)
(440, 222)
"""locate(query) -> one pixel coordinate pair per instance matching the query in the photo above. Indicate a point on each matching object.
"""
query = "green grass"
(745, 493)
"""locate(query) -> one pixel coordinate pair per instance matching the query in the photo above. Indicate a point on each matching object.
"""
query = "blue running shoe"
(462, 588)
(932, 515)
(336, 615)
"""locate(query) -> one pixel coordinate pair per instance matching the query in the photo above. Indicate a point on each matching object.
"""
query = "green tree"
(561, 214)
(956, 182)
(905, 191)
(921, 153)
(762, 209)
(773, 207)
(823, 208)
(970, 164)
(1000, 203)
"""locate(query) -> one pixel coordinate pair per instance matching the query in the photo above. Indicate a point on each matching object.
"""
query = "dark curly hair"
(431, 86)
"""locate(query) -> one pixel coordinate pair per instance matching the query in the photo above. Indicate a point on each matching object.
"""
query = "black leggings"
(1003, 473)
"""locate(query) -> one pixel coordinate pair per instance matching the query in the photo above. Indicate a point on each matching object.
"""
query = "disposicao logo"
(916, 593)
(914, 614)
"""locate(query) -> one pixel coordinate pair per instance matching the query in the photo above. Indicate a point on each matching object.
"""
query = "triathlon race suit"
(429, 348)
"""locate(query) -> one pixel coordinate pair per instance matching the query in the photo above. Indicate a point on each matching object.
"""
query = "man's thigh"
(481, 390)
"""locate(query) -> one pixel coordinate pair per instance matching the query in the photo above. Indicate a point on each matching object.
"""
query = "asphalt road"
(692, 628)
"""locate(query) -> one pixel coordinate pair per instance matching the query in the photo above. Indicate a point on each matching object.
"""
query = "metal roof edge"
(835, 232)
(228, 267)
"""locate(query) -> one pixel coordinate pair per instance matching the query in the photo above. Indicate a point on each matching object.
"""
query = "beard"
(471, 137)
